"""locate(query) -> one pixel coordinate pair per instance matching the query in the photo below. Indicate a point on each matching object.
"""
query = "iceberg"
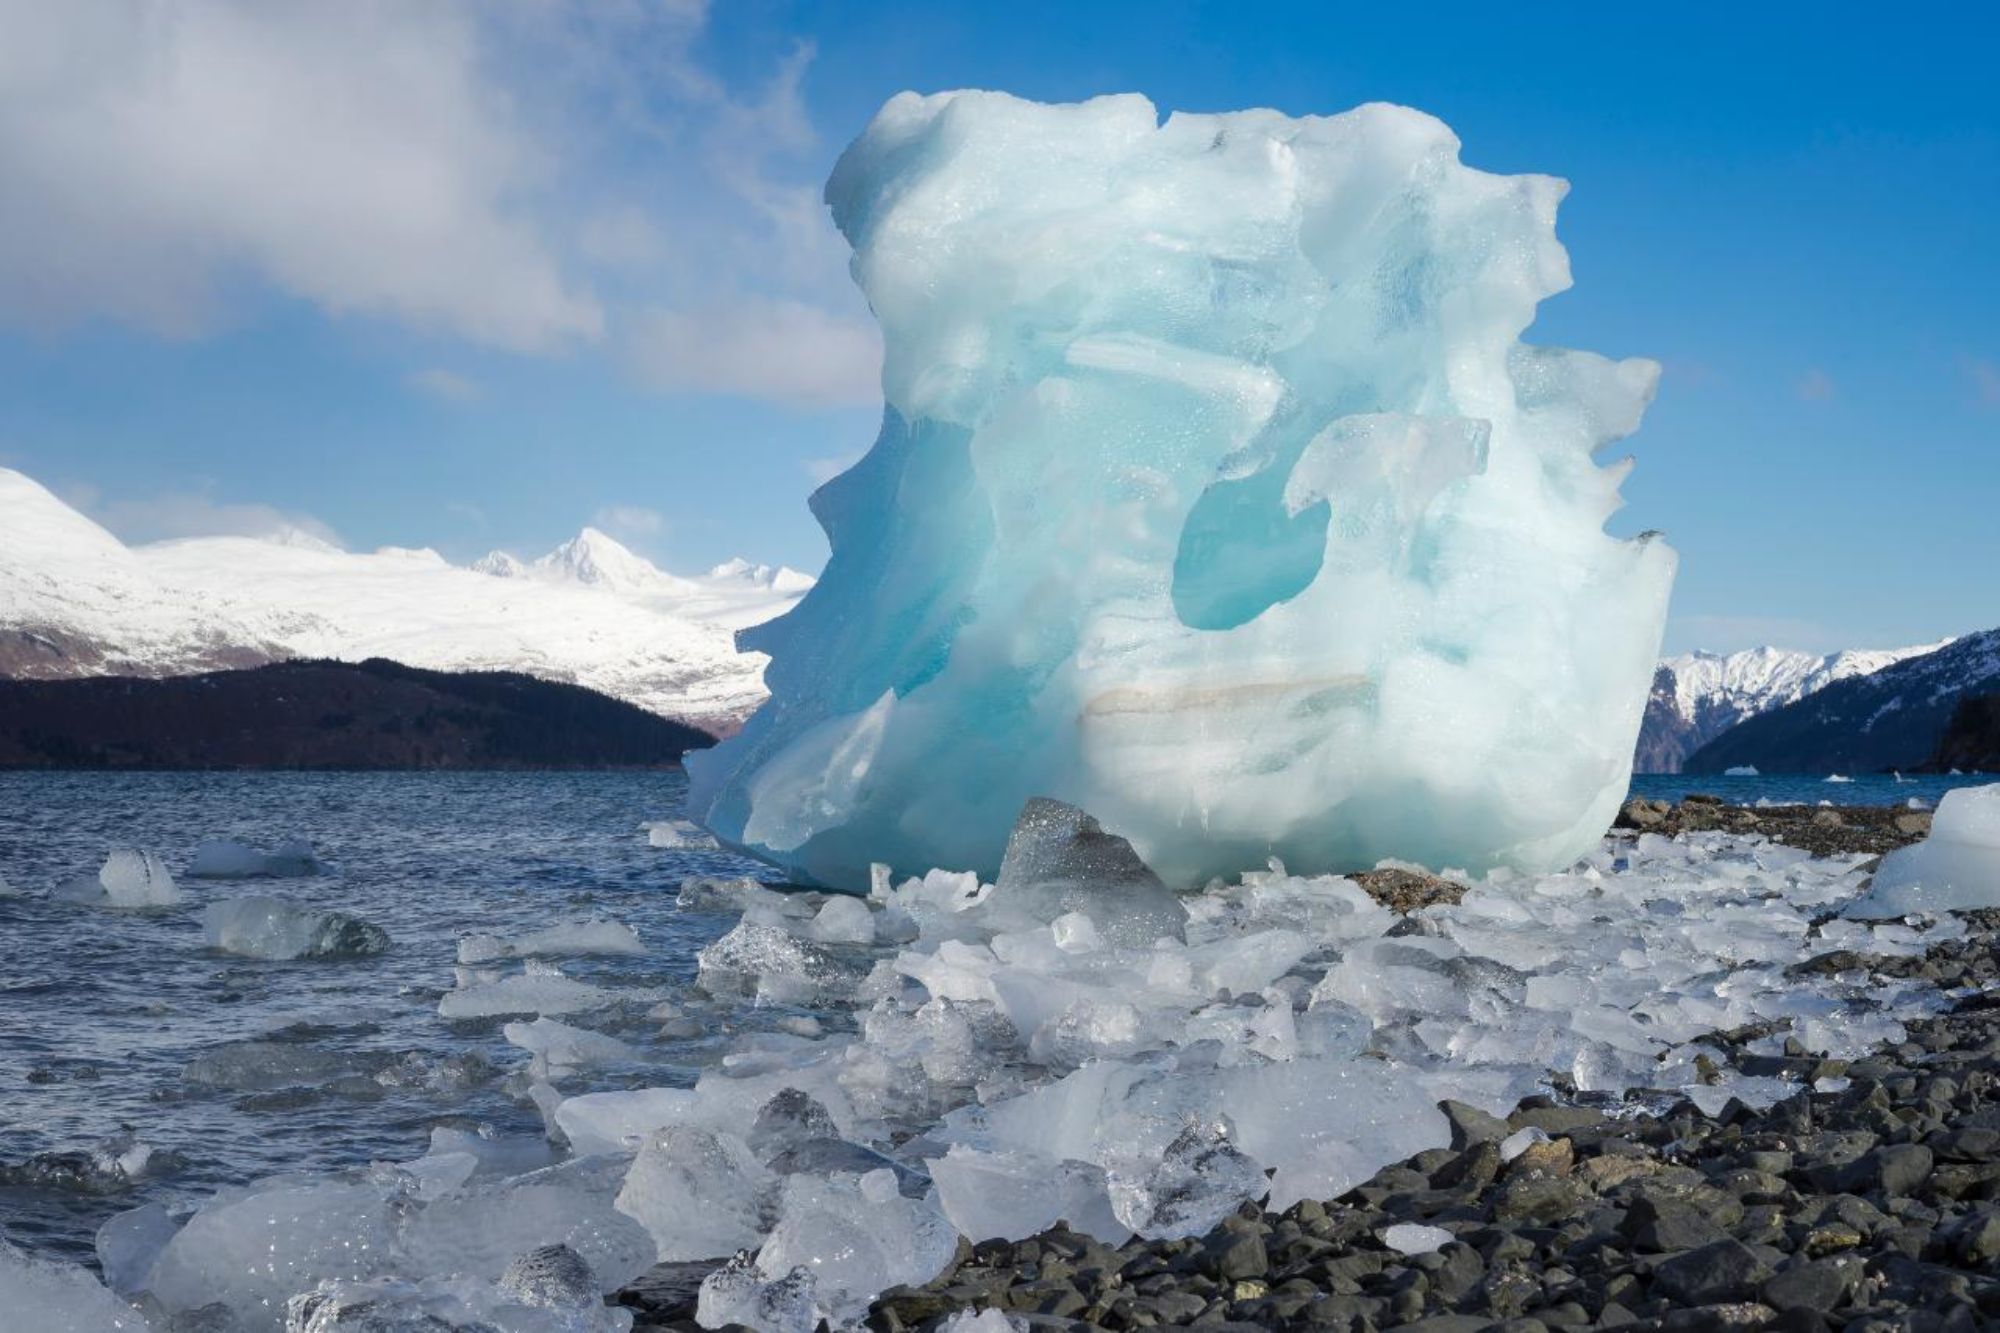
(52, 1297)
(1955, 869)
(126, 879)
(273, 929)
(1216, 494)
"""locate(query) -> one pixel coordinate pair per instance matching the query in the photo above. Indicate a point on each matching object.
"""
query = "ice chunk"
(563, 939)
(1319, 571)
(698, 1192)
(48, 1297)
(1197, 1181)
(130, 1242)
(126, 879)
(255, 1066)
(1060, 861)
(540, 990)
(1741, 771)
(1410, 1238)
(560, 1049)
(222, 859)
(773, 965)
(1956, 868)
(681, 833)
(478, 1230)
(856, 1237)
(272, 928)
(252, 1249)
(548, 1290)
(740, 1293)
(1013, 1194)
(844, 920)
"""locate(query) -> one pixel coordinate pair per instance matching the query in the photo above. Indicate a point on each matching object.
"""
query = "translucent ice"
(559, 1049)
(698, 1192)
(597, 935)
(1956, 868)
(126, 879)
(273, 928)
(540, 989)
(681, 833)
(48, 1297)
(222, 859)
(1216, 494)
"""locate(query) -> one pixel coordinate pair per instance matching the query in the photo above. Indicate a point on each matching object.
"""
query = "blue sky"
(473, 275)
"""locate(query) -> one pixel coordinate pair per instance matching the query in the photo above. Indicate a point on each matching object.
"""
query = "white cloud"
(1815, 386)
(785, 350)
(536, 177)
(356, 156)
(196, 514)
(446, 385)
(630, 522)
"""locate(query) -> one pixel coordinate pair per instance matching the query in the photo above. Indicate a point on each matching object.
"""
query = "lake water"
(102, 1012)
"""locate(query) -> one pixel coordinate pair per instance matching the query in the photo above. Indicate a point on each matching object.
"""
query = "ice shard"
(1216, 494)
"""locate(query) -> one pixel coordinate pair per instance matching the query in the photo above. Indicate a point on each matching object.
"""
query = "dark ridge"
(1893, 719)
(375, 714)
(1971, 740)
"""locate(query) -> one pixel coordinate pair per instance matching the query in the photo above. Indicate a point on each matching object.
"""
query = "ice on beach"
(698, 1192)
(126, 879)
(51, 1297)
(1410, 1238)
(564, 939)
(559, 1049)
(844, 920)
(856, 1236)
(1956, 868)
(441, 1304)
(1216, 494)
(274, 929)
(223, 859)
(681, 833)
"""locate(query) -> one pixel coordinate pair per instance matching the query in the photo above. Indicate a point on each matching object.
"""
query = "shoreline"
(1867, 1200)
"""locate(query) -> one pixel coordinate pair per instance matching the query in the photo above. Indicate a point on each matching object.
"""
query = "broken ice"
(1955, 868)
(126, 879)
(274, 929)
(1216, 495)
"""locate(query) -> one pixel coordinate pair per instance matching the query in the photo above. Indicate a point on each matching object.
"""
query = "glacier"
(1216, 494)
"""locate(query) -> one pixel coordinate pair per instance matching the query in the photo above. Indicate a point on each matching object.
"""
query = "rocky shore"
(1869, 1200)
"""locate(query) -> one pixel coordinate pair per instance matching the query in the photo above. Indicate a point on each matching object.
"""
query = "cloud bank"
(563, 177)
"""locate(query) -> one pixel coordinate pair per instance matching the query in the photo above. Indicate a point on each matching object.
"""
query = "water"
(1805, 788)
(101, 1012)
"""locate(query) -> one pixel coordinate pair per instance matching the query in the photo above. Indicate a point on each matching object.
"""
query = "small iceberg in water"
(1838, 777)
(684, 834)
(280, 931)
(1741, 771)
(126, 879)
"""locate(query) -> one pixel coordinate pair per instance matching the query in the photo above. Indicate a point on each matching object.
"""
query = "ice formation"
(1216, 494)
(50, 1297)
(681, 833)
(126, 879)
(274, 929)
(1956, 868)
(563, 939)
(222, 859)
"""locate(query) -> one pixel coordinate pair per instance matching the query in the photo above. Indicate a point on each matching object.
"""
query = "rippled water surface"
(102, 1011)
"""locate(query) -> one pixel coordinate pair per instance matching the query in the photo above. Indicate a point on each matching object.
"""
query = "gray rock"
(1727, 1270)
(1470, 1125)
(553, 1277)
(1817, 1284)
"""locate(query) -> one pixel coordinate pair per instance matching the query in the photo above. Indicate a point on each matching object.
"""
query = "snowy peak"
(500, 565)
(776, 578)
(598, 560)
(1698, 696)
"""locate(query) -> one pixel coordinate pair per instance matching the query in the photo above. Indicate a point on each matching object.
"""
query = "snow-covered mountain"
(76, 601)
(1698, 696)
(1893, 718)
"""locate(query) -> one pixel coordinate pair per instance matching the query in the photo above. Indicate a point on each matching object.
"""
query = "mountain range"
(1698, 696)
(76, 601)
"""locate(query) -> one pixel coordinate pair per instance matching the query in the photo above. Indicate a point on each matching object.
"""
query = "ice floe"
(126, 879)
(1955, 868)
(279, 930)
(562, 940)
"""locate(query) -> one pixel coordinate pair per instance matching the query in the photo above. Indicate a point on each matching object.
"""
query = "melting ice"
(1216, 494)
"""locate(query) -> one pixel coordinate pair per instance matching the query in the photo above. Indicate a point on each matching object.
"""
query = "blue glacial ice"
(1216, 494)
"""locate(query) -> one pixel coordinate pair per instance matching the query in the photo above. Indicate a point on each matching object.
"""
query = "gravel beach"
(1869, 1200)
